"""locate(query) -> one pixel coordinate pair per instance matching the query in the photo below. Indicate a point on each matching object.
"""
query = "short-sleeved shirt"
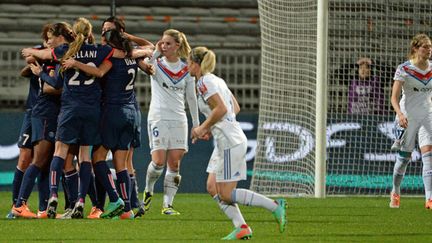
(47, 105)
(416, 90)
(168, 86)
(33, 91)
(118, 87)
(34, 87)
(80, 89)
(227, 131)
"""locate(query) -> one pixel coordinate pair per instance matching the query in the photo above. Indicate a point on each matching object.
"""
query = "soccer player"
(113, 23)
(228, 161)
(117, 24)
(119, 113)
(24, 141)
(44, 123)
(78, 122)
(414, 113)
(171, 86)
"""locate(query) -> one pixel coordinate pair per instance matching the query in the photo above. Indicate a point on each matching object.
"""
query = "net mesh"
(367, 39)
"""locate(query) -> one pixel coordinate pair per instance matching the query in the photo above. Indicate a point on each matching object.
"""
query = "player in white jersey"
(171, 87)
(227, 165)
(414, 113)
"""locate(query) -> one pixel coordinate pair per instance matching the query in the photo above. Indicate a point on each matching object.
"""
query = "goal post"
(287, 102)
(325, 124)
(321, 98)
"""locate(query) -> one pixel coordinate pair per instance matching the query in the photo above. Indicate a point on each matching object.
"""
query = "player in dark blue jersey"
(145, 45)
(24, 140)
(80, 99)
(44, 124)
(117, 24)
(78, 121)
(118, 123)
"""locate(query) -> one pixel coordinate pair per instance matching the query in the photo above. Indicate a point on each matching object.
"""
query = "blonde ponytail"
(83, 30)
(205, 58)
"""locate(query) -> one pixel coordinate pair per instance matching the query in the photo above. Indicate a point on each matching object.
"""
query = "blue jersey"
(47, 105)
(34, 87)
(80, 89)
(119, 82)
(33, 92)
(55, 81)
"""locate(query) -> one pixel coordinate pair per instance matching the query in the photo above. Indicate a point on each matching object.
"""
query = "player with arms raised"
(171, 87)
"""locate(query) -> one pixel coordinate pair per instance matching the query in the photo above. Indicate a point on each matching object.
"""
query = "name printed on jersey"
(86, 54)
(130, 61)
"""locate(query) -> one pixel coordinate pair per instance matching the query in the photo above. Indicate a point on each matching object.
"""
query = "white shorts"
(211, 167)
(229, 164)
(167, 135)
(417, 128)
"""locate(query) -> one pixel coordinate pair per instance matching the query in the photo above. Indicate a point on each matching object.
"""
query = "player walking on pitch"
(228, 161)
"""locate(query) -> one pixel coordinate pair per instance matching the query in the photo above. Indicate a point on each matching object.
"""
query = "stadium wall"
(193, 167)
(147, 3)
(342, 139)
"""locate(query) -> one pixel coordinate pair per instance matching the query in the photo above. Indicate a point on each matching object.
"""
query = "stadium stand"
(231, 28)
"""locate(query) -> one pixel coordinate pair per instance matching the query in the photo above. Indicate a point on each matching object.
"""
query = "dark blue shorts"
(136, 142)
(79, 125)
(25, 140)
(118, 126)
(43, 129)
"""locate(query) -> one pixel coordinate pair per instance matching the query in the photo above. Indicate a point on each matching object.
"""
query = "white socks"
(170, 187)
(427, 174)
(250, 198)
(399, 172)
(232, 211)
(153, 173)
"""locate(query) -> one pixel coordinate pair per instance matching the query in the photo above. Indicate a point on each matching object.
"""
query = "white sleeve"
(208, 88)
(191, 98)
(154, 56)
(400, 74)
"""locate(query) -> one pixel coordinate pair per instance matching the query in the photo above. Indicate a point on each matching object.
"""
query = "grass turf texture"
(334, 219)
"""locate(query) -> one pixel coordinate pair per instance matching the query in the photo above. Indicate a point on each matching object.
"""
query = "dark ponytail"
(116, 40)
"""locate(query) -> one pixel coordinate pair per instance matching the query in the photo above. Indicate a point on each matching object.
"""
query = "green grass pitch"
(334, 219)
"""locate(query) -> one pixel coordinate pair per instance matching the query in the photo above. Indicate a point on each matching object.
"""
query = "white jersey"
(227, 132)
(171, 85)
(416, 90)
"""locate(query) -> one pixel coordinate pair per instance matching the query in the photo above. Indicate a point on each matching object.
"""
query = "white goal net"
(367, 39)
